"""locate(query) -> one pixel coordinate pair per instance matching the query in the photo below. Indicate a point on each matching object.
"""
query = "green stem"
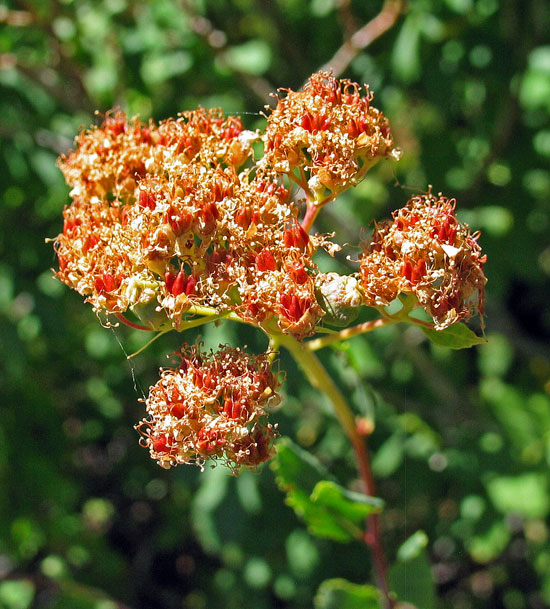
(274, 343)
(147, 344)
(321, 380)
(211, 312)
(194, 323)
(368, 326)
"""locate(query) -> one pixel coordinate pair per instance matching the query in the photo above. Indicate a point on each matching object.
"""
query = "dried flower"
(339, 296)
(213, 406)
(425, 251)
(331, 130)
(162, 221)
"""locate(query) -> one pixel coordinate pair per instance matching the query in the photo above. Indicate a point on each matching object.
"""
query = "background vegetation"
(462, 443)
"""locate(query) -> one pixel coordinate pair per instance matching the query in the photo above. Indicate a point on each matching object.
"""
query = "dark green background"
(462, 444)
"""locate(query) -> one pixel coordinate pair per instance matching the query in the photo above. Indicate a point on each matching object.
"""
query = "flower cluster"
(330, 130)
(425, 251)
(178, 219)
(158, 226)
(213, 406)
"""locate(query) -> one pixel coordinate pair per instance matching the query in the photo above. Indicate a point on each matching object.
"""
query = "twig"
(364, 36)
(347, 18)
(368, 326)
(131, 324)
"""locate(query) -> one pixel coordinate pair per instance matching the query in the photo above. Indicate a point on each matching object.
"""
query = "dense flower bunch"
(213, 406)
(179, 220)
(157, 226)
(426, 252)
(330, 130)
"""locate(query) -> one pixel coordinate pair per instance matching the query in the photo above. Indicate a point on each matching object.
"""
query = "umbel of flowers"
(427, 253)
(179, 221)
(212, 406)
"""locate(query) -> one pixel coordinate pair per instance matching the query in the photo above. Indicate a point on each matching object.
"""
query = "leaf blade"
(457, 336)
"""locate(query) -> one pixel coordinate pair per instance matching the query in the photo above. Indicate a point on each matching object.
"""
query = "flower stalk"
(319, 378)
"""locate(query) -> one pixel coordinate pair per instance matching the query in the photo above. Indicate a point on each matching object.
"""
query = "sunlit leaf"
(342, 594)
(457, 336)
(329, 510)
(253, 57)
(406, 52)
(16, 594)
(411, 576)
(527, 494)
(486, 546)
(347, 504)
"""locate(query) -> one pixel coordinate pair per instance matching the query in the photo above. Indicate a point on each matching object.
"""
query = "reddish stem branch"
(319, 378)
(310, 215)
(367, 326)
(373, 536)
(131, 324)
(364, 36)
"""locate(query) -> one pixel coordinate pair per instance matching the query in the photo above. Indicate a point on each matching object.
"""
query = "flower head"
(330, 129)
(213, 406)
(425, 251)
(161, 220)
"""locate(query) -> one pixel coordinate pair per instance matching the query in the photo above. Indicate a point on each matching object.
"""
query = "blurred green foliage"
(462, 442)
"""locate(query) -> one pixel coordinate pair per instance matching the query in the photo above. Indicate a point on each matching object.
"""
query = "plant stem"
(311, 213)
(314, 206)
(147, 344)
(368, 326)
(131, 324)
(320, 379)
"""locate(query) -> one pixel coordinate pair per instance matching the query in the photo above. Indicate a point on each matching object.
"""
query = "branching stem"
(321, 380)
(131, 324)
(367, 326)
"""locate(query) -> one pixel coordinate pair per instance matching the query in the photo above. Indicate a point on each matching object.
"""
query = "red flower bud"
(147, 199)
(293, 307)
(178, 410)
(180, 222)
(160, 444)
(298, 274)
(190, 287)
(178, 287)
(265, 261)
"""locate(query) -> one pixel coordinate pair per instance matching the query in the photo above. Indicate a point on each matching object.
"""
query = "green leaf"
(457, 336)
(16, 594)
(347, 504)
(411, 576)
(252, 57)
(412, 548)
(342, 594)
(212, 491)
(296, 468)
(488, 545)
(330, 511)
(406, 51)
(527, 494)
(159, 68)
(389, 456)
